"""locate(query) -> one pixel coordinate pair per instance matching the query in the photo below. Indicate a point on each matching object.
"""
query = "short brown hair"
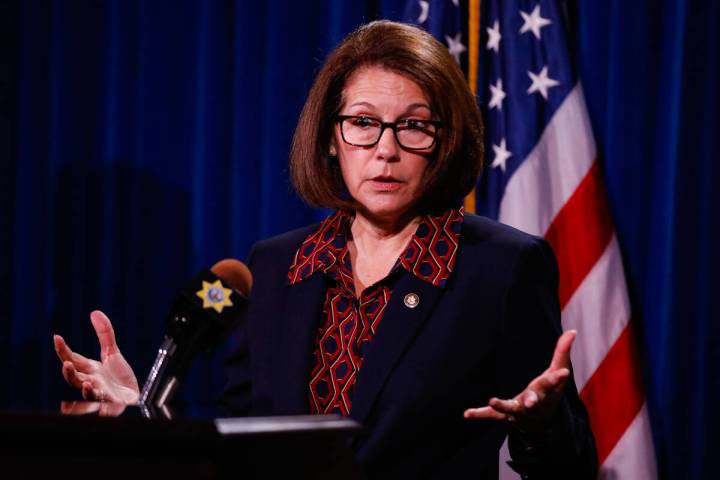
(415, 54)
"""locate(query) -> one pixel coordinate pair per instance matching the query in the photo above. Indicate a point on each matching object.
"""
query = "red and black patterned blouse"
(349, 324)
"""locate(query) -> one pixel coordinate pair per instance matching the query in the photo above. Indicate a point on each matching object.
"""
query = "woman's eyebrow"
(414, 106)
(409, 108)
(361, 104)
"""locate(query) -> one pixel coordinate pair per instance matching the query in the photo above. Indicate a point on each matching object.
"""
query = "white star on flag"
(455, 46)
(501, 155)
(494, 37)
(498, 95)
(541, 82)
(533, 22)
(424, 10)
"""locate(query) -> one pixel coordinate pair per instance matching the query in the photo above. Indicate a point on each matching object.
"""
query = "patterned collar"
(430, 255)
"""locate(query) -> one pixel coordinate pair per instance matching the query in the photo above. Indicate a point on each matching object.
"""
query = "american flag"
(542, 176)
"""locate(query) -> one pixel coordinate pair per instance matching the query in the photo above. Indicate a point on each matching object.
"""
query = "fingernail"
(531, 399)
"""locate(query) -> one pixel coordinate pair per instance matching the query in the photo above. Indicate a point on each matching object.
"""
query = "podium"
(130, 445)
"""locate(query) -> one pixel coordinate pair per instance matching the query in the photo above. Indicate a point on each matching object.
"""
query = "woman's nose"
(387, 146)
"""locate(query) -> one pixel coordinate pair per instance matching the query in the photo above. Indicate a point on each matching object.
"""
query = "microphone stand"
(151, 392)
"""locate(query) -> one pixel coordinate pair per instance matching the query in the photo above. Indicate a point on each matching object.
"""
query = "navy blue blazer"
(488, 332)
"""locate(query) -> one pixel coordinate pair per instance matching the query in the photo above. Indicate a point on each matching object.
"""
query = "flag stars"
(498, 95)
(533, 22)
(455, 46)
(424, 10)
(494, 37)
(541, 82)
(501, 155)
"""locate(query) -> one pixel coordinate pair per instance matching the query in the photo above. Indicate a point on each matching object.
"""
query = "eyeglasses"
(410, 134)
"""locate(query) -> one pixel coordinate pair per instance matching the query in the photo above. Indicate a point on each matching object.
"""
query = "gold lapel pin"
(412, 300)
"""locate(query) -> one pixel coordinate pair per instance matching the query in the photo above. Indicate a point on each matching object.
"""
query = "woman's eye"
(415, 124)
(363, 122)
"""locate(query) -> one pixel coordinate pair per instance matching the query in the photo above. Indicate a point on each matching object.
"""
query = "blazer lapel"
(397, 330)
(303, 311)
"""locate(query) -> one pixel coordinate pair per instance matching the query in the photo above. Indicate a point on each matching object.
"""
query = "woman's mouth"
(385, 183)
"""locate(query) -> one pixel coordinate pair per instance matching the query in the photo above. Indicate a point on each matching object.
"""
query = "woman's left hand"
(530, 411)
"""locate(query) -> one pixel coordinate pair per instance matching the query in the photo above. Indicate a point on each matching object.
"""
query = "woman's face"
(384, 179)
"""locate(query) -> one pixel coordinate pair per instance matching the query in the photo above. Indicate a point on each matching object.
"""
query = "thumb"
(105, 333)
(561, 356)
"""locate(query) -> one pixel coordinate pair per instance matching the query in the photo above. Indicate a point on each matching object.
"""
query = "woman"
(399, 310)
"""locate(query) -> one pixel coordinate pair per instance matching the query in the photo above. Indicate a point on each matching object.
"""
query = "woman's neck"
(375, 247)
(383, 233)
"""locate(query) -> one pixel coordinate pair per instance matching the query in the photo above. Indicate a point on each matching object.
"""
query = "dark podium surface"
(102, 441)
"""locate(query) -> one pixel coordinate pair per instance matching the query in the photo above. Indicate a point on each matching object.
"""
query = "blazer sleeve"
(530, 328)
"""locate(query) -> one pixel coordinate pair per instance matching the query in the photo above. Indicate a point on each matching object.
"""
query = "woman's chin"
(386, 211)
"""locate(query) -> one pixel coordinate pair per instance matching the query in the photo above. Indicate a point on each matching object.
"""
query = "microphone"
(201, 318)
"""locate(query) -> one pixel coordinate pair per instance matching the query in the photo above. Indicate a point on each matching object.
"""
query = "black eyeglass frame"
(392, 126)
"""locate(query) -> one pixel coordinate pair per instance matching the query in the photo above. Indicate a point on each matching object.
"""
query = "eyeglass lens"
(365, 131)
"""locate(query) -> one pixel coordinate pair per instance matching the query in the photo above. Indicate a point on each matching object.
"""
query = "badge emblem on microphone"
(215, 295)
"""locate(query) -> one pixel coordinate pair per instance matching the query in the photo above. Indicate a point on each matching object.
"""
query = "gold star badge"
(214, 295)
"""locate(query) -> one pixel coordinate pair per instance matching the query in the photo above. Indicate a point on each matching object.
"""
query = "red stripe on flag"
(580, 232)
(613, 395)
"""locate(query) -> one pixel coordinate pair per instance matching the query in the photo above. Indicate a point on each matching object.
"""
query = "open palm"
(531, 409)
(110, 379)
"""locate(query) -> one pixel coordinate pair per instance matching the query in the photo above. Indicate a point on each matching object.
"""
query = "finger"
(92, 392)
(530, 398)
(71, 375)
(65, 354)
(62, 349)
(84, 364)
(111, 409)
(561, 356)
(487, 413)
(560, 380)
(559, 376)
(87, 391)
(549, 381)
(557, 379)
(510, 407)
(78, 408)
(105, 333)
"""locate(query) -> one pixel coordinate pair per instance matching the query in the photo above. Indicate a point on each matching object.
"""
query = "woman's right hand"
(109, 380)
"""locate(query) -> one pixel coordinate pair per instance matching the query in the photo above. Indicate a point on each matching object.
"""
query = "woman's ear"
(333, 148)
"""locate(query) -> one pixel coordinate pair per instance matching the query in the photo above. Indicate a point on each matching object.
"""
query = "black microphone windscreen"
(202, 317)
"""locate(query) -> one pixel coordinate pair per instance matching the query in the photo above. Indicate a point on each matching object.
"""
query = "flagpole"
(473, 56)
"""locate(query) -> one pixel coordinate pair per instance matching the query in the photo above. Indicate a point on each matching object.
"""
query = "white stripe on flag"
(553, 170)
(634, 455)
(599, 310)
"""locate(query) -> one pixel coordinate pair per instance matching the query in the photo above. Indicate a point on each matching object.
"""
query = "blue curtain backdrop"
(143, 140)
(650, 71)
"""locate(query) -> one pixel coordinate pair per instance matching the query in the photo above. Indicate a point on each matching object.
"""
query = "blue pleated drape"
(141, 141)
(650, 71)
(151, 141)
